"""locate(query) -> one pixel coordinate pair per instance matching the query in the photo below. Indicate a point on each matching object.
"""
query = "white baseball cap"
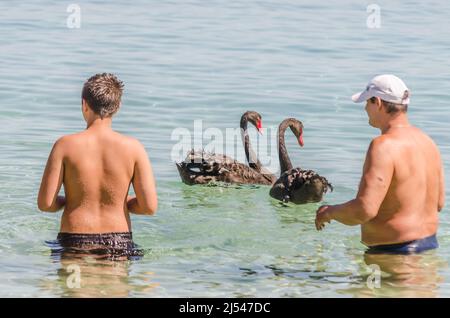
(388, 87)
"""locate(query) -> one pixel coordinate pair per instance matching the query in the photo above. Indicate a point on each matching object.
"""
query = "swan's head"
(297, 128)
(255, 118)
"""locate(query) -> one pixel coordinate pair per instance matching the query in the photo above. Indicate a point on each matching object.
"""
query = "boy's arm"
(146, 201)
(48, 199)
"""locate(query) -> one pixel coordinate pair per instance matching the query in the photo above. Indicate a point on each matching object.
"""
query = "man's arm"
(441, 188)
(376, 179)
(48, 199)
(145, 201)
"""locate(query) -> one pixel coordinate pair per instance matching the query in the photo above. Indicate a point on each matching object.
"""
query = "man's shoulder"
(426, 137)
(381, 142)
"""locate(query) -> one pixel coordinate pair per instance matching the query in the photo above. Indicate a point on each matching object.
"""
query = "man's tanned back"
(410, 207)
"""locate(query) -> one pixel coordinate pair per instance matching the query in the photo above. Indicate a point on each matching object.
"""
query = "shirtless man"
(402, 186)
(97, 167)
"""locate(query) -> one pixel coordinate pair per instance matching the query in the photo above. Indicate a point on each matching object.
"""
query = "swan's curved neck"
(285, 161)
(250, 155)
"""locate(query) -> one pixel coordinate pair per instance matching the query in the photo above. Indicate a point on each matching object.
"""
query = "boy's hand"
(60, 201)
(130, 202)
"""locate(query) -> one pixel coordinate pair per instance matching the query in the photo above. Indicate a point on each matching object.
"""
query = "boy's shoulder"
(66, 140)
(79, 136)
(69, 140)
(134, 142)
(76, 140)
(134, 147)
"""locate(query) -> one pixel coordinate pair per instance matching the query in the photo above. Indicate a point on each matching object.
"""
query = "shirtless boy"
(402, 186)
(96, 167)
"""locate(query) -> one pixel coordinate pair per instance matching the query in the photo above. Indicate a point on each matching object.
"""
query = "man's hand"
(323, 216)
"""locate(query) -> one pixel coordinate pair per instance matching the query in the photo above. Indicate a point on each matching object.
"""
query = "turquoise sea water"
(211, 60)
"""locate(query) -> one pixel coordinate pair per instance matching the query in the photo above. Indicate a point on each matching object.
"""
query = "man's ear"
(379, 103)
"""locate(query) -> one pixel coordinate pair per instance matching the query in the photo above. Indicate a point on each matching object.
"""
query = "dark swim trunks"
(117, 245)
(411, 247)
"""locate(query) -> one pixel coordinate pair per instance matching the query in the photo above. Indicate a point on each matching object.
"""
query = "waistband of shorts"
(108, 234)
(414, 246)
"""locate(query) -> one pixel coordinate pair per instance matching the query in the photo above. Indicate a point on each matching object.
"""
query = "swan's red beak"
(300, 140)
(259, 126)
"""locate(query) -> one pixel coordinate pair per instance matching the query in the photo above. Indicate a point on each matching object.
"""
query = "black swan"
(295, 184)
(201, 167)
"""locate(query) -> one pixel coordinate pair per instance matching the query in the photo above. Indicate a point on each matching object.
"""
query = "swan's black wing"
(201, 167)
(300, 186)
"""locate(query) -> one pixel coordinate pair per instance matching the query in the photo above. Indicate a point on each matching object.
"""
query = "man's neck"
(99, 123)
(397, 121)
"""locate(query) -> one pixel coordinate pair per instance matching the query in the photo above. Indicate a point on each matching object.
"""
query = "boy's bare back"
(97, 167)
